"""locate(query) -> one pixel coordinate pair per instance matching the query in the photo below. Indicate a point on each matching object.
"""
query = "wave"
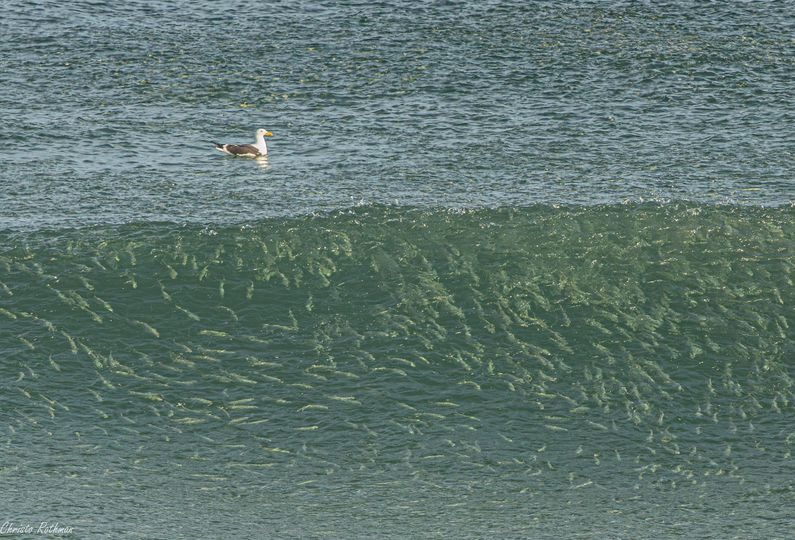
(653, 330)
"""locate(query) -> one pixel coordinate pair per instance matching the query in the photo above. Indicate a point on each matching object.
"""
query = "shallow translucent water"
(399, 364)
(510, 271)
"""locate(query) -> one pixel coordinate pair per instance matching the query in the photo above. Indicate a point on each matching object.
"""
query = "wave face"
(499, 358)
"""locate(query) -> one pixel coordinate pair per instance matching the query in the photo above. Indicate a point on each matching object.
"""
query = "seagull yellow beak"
(268, 134)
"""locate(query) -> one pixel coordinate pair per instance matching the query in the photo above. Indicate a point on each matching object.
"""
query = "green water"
(511, 270)
(434, 370)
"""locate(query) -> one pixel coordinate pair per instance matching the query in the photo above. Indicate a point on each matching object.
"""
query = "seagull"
(256, 150)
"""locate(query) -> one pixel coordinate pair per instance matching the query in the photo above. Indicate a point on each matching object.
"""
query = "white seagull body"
(256, 150)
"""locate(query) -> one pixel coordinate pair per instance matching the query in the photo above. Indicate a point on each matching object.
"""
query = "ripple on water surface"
(456, 106)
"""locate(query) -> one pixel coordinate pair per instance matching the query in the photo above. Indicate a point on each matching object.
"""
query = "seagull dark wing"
(242, 149)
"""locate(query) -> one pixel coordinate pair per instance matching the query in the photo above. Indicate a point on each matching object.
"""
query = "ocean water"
(511, 270)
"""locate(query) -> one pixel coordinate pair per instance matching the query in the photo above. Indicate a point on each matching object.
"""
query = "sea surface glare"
(512, 269)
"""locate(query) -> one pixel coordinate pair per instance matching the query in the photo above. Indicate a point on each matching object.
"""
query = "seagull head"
(264, 133)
